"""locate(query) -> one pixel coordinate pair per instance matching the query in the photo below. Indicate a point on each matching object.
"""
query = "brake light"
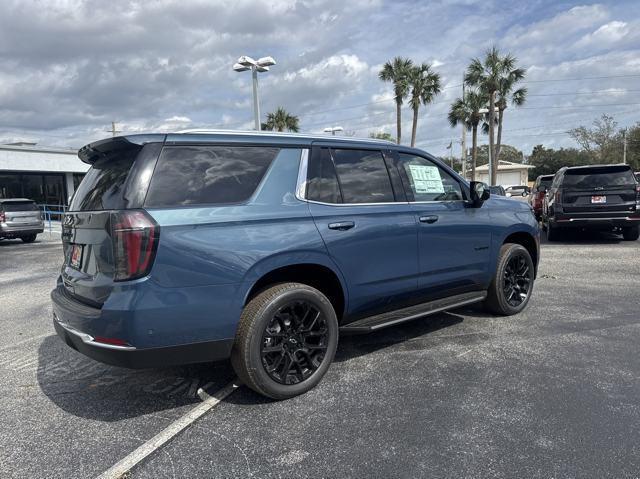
(135, 240)
(557, 199)
(2, 217)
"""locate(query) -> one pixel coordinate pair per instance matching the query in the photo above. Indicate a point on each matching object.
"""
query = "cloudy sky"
(68, 68)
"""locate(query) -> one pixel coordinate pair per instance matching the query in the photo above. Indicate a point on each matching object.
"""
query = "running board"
(379, 321)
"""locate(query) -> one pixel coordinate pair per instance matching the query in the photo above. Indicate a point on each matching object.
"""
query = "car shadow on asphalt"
(584, 237)
(86, 388)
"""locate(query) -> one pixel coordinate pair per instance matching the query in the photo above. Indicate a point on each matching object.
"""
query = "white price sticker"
(426, 179)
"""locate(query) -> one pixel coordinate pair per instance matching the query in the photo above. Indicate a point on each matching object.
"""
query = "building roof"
(506, 165)
(33, 158)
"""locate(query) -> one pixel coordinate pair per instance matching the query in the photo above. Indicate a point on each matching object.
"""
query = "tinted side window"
(427, 181)
(322, 183)
(363, 176)
(196, 175)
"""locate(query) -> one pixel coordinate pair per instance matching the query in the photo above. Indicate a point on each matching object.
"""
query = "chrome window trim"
(301, 189)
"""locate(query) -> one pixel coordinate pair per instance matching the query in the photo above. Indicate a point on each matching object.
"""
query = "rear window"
(589, 178)
(19, 206)
(546, 181)
(198, 175)
(102, 187)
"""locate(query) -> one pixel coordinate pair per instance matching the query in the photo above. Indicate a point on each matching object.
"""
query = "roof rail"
(204, 131)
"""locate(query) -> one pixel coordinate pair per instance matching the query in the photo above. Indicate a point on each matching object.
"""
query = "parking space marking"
(156, 442)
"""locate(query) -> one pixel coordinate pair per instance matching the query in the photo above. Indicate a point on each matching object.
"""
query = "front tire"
(512, 284)
(553, 233)
(631, 233)
(286, 340)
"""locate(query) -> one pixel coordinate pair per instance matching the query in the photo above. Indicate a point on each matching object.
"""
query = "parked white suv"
(20, 218)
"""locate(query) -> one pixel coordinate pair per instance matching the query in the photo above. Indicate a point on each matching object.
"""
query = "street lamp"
(486, 110)
(245, 63)
(333, 129)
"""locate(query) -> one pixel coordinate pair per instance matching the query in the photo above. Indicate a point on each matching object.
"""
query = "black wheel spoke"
(294, 342)
(517, 280)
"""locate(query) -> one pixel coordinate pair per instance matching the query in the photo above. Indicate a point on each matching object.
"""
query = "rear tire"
(28, 239)
(631, 233)
(512, 285)
(286, 340)
(553, 233)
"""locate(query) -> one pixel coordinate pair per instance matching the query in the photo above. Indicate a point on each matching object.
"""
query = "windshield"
(590, 178)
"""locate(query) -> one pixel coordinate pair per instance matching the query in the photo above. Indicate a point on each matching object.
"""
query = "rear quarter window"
(199, 175)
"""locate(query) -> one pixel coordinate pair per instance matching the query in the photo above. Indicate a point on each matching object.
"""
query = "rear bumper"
(586, 220)
(68, 313)
(18, 231)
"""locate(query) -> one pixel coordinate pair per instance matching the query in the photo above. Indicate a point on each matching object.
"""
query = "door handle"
(429, 219)
(342, 225)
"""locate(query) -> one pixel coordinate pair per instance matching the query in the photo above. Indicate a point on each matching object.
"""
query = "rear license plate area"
(75, 256)
(598, 199)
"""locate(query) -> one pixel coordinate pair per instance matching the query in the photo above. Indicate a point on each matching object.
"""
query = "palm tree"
(505, 95)
(467, 111)
(489, 76)
(425, 85)
(397, 72)
(281, 120)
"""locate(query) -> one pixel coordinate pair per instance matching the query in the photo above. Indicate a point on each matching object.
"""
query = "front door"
(454, 240)
(371, 237)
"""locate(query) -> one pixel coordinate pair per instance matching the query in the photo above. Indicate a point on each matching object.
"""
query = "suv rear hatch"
(599, 189)
(20, 213)
(105, 237)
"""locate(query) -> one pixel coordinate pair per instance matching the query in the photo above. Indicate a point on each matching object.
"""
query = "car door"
(369, 229)
(454, 240)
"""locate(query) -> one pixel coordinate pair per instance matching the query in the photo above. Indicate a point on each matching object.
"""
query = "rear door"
(454, 241)
(600, 190)
(117, 180)
(369, 235)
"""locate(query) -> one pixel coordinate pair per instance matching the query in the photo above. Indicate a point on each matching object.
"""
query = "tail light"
(2, 217)
(637, 196)
(135, 240)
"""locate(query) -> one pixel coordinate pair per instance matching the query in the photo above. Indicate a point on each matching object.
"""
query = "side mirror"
(479, 193)
(542, 189)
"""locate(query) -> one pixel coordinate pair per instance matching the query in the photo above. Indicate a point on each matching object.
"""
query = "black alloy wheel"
(294, 342)
(517, 279)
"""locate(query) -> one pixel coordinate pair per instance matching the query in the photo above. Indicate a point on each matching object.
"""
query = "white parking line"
(156, 442)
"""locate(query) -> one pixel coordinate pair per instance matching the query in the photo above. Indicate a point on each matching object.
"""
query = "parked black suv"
(604, 197)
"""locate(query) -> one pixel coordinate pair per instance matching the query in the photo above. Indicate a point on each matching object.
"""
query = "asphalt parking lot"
(552, 392)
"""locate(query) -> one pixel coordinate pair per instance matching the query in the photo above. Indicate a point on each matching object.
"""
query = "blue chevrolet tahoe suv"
(263, 248)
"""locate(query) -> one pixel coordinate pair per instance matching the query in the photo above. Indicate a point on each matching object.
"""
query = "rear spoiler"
(103, 149)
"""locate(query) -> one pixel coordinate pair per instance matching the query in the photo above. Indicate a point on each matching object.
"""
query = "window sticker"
(426, 179)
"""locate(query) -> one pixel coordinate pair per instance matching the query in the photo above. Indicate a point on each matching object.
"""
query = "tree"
(604, 143)
(397, 71)
(467, 111)
(281, 120)
(382, 135)
(548, 161)
(496, 77)
(425, 85)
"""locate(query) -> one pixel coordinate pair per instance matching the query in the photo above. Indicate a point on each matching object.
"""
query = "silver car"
(20, 218)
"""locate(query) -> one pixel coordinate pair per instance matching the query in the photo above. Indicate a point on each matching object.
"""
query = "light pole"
(245, 63)
(333, 129)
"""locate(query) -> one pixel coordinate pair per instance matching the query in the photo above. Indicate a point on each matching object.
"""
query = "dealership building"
(44, 174)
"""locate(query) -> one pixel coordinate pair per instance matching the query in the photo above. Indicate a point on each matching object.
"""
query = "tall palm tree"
(467, 111)
(489, 75)
(397, 72)
(505, 95)
(425, 85)
(281, 120)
